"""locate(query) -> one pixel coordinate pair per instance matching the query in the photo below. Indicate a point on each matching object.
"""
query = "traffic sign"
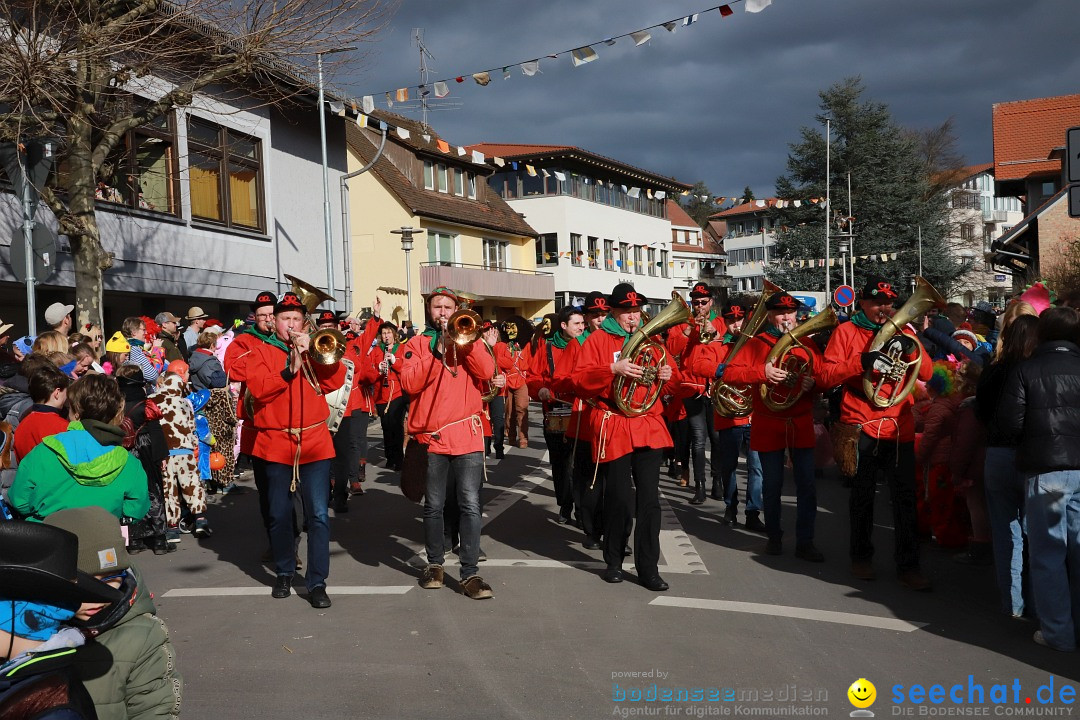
(844, 295)
(44, 243)
(1074, 201)
(1072, 154)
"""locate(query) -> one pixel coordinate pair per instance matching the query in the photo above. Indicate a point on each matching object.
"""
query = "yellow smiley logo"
(862, 693)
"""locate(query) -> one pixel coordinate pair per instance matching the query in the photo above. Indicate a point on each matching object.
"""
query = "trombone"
(328, 344)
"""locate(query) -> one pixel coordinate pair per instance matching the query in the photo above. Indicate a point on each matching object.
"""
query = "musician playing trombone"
(774, 430)
(443, 381)
(290, 412)
(631, 447)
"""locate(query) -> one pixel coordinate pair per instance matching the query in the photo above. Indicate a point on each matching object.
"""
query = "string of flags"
(578, 56)
(833, 262)
(769, 202)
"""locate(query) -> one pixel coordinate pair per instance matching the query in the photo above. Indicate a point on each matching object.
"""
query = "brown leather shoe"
(523, 444)
(914, 579)
(863, 569)
(476, 588)
(684, 479)
(432, 577)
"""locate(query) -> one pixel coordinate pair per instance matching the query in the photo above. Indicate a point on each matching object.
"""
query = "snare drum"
(557, 420)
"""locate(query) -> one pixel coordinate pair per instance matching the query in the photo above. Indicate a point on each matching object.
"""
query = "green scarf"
(392, 350)
(728, 337)
(860, 320)
(774, 331)
(271, 339)
(612, 326)
(560, 340)
(432, 333)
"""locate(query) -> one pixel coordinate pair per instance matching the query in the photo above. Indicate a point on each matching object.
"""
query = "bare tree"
(86, 72)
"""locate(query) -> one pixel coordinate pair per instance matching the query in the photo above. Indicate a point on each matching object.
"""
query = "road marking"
(262, 590)
(797, 613)
(676, 547)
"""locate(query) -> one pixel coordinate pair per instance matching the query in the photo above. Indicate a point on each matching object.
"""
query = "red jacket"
(542, 372)
(518, 371)
(290, 412)
(563, 383)
(40, 423)
(616, 434)
(702, 363)
(388, 387)
(843, 366)
(237, 356)
(441, 404)
(362, 397)
(771, 430)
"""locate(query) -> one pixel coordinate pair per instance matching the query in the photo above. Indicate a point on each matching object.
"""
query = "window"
(440, 177)
(624, 257)
(226, 176)
(547, 249)
(472, 186)
(459, 185)
(575, 250)
(664, 265)
(441, 247)
(652, 262)
(967, 231)
(429, 175)
(609, 255)
(594, 258)
(145, 169)
(639, 265)
(495, 254)
(1048, 189)
(532, 185)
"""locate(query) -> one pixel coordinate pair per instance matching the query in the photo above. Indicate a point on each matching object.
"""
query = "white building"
(600, 222)
(748, 243)
(696, 256)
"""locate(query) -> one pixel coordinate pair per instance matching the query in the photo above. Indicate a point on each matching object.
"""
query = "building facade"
(465, 236)
(696, 255)
(748, 243)
(599, 221)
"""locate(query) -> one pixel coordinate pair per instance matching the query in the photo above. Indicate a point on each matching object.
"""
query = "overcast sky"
(721, 99)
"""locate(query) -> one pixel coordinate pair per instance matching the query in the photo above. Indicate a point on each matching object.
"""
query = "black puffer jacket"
(1041, 409)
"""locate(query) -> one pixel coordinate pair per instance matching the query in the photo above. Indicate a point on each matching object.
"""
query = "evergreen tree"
(699, 203)
(891, 199)
(748, 194)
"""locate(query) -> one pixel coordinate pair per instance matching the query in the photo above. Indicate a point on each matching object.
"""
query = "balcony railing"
(488, 282)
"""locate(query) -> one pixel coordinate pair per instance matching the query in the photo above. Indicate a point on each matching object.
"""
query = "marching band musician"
(497, 405)
(517, 398)
(390, 402)
(774, 431)
(586, 479)
(887, 435)
(708, 360)
(290, 411)
(351, 406)
(443, 383)
(631, 448)
(556, 406)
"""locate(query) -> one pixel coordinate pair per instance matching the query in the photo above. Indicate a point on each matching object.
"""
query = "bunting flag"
(545, 172)
(640, 37)
(478, 157)
(726, 11)
(506, 73)
(560, 176)
(756, 6)
(361, 120)
(443, 146)
(403, 133)
(634, 192)
(530, 68)
(670, 26)
(482, 78)
(660, 194)
(531, 170)
(441, 90)
(498, 161)
(424, 92)
(402, 95)
(583, 55)
(389, 102)
(368, 104)
(690, 19)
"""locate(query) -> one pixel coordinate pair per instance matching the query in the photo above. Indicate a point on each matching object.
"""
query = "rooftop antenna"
(426, 105)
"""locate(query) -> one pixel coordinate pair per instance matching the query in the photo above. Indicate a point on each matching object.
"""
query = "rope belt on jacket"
(298, 434)
(602, 450)
(877, 439)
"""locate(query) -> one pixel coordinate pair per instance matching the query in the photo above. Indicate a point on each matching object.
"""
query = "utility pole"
(828, 216)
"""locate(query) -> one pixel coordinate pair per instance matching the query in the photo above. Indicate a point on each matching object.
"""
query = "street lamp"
(845, 247)
(326, 180)
(406, 233)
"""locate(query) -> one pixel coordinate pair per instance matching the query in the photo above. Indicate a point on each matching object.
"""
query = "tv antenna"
(426, 103)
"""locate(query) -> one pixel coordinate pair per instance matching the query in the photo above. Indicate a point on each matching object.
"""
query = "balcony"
(487, 282)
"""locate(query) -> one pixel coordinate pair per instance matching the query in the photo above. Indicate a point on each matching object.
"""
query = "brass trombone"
(462, 329)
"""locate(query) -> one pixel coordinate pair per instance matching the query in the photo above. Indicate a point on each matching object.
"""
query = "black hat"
(735, 311)
(625, 296)
(782, 301)
(263, 299)
(877, 288)
(326, 316)
(289, 301)
(700, 290)
(39, 562)
(596, 301)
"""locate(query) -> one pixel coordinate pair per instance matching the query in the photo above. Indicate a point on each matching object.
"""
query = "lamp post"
(406, 233)
(326, 179)
(845, 246)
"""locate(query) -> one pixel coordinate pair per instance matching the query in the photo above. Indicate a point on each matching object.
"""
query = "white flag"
(337, 108)
(660, 194)
(690, 19)
(478, 157)
(403, 133)
(634, 192)
(530, 68)
(461, 151)
(755, 6)
(640, 37)
(670, 26)
(583, 55)
(441, 90)
(560, 176)
(369, 104)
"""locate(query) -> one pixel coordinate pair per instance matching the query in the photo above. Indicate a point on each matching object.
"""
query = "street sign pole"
(1072, 169)
(28, 240)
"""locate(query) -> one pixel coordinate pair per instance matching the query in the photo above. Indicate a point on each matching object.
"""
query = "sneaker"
(202, 528)
(363, 472)
(774, 546)
(432, 577)
(481, 556)
(807, 551)
(172, 534)
(186, 526)
(914, 579)
(356, 487)
(476, 588)
(753, 523)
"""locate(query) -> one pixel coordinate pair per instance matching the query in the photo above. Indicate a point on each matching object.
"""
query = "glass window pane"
(205, 134)
(429, 175)
(205, 187)
(432, 247)
(242, 146)
(244, 195)
(459, 187)
(472, 186)
(154, 164)
(531, 185)
(446, 248)
(441, 177)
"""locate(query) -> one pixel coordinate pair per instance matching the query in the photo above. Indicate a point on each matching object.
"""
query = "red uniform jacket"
(773, 431)
(685, 344)
(616, 435)
(542, 372)
(518, 371)
(362, 397)
(702, 363)
(237, 356)
(843, 365)
(285, 407)
(441, 405)
(563, 384)
(389, 387)
(505, 363)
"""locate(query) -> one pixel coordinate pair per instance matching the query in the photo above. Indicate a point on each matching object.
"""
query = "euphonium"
(733, 401)
(785, 394)
(892, 377)
(650, 356)
(327, 346)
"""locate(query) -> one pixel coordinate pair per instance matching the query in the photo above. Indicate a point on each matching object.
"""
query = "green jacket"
(80, 468)
(130, 669)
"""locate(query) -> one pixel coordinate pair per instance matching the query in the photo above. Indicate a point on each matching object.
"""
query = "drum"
(557, 420)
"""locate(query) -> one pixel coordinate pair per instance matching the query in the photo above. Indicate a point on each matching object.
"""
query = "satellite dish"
(45, 254)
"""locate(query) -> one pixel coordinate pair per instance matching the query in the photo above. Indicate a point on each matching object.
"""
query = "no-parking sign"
(844, 295)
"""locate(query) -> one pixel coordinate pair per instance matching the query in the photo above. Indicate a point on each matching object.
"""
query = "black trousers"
(588, 497)
(392, 416)
(896, 461)
(497, 411)
(560, 455)
(632, 495)
(350, 445)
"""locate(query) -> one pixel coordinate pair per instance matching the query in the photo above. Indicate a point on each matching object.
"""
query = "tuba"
(733, 401)
(893, 376)
(650, 355)
(785, 394)
(328, 345)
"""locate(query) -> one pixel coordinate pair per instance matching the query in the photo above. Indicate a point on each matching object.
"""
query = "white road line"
(680, 555)
(262, 590)
(871, 621)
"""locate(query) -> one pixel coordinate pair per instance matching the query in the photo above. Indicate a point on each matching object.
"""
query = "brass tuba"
(733, 401)
(785, 394)
(650, 355)
(327, 345)
(892, 377)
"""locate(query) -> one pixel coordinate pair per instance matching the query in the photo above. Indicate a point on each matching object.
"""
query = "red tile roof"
(1026, 131)
(510, 150)
(744, 209)
(678, 216)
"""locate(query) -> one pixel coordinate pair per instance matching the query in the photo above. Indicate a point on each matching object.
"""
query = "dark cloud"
(721, 100)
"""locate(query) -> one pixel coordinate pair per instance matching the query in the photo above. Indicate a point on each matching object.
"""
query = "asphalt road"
(738, 634)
